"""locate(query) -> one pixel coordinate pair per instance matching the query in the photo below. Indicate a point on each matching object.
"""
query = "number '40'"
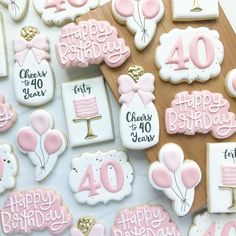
(227, 229)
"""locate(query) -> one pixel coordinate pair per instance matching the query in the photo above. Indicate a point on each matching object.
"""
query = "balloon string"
(176, 193)
(178, 186)
(40, 140)
(47, 160)
(39, 159)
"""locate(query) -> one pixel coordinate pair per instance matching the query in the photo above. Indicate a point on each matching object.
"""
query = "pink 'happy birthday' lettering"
(200, 112)
(91, 42)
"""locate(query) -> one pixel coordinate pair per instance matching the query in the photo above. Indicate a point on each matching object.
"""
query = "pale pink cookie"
(101, 177)
(175, 177)
(200, 112)
(141, 18)
(25, 212)
(42, 143)
(8, 167)
(230, 83)
(91, 42)
(3, 49)
(144, 220)
(87, 226)
(8, 116)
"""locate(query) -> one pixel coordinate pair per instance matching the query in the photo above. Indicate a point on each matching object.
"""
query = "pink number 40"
(211, 231)
(177, 55)
(58, 4)
(89, 183)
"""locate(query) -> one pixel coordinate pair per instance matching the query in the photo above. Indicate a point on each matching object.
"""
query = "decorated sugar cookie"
(206, 224)
(194, 10)
(3, 50)
(32, 210)
(200, 112)
(230, 83)
(57, 12)
(101, 177)
(91, 42)
(87, 226)
(33, 76)
(175, 177)
(8, 167)
(139, 121)
(41, 143)
(7, 115)
(87, 111)
(141, 18)
(144, 220)
(17, 8)
(188, 55)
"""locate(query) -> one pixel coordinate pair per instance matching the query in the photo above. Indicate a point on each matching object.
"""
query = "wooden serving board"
(194, 146)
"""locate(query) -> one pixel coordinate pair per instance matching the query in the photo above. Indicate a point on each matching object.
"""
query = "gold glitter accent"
(135, 72)
(85, 224)
(29, 32)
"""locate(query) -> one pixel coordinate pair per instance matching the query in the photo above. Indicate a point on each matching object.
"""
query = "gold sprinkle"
(29, 32)
(85, 224)
(135, 72)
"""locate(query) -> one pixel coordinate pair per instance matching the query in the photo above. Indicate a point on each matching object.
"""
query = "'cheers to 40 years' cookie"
(25, 212)
(230, 83)
(91, 42)
(191, 54)
(33, 76)
(144, 220)
(175, 177)
(139, 121)
(200, 112)
(101, 177)
(141, 18)
(57, 12)
(41, 143)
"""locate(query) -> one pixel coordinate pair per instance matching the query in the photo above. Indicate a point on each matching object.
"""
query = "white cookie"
(221, 177)
(175, 177)
(191, 54)
(87, 111)
(58, 12)
(41, 143)
(8, 167)
(33, 75)
(141, 18)
(17, 8)
(207, 224)
(194, 10)
(101, 177)
(230, 83)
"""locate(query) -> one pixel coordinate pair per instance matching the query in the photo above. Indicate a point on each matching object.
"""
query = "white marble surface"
(142, 191)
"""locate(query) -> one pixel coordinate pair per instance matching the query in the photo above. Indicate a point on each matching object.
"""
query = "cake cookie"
(32, 210)
(58, 12)
(8, 167)
(230, 83)
(87, 111)
(41, 143)
(175, 177)
(213, 225)
(221, 177)
(200, 112)
(17, 8)
(191, 54)
(141, 18)
(33, 76)
(101, 177)
(144, 220)
(194, 10)
(8, 116)
(91, 42)
(139, 120)
(87, 226)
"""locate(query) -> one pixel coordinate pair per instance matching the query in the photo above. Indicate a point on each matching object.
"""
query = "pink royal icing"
(200, 112)
(97, 230)
(34, 210)
(7, 115)
(228, 175)
(228, 228)
(91, 42)
(144, 220)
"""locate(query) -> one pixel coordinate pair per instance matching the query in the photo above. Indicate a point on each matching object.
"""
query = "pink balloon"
(26, 140)
(1, 167)
(53, 142)
(191, 176)
(40, 121)
(77, 3)
(125, 7)
(151, 8)
(172, 160)
(234, 83)
(161, 177)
